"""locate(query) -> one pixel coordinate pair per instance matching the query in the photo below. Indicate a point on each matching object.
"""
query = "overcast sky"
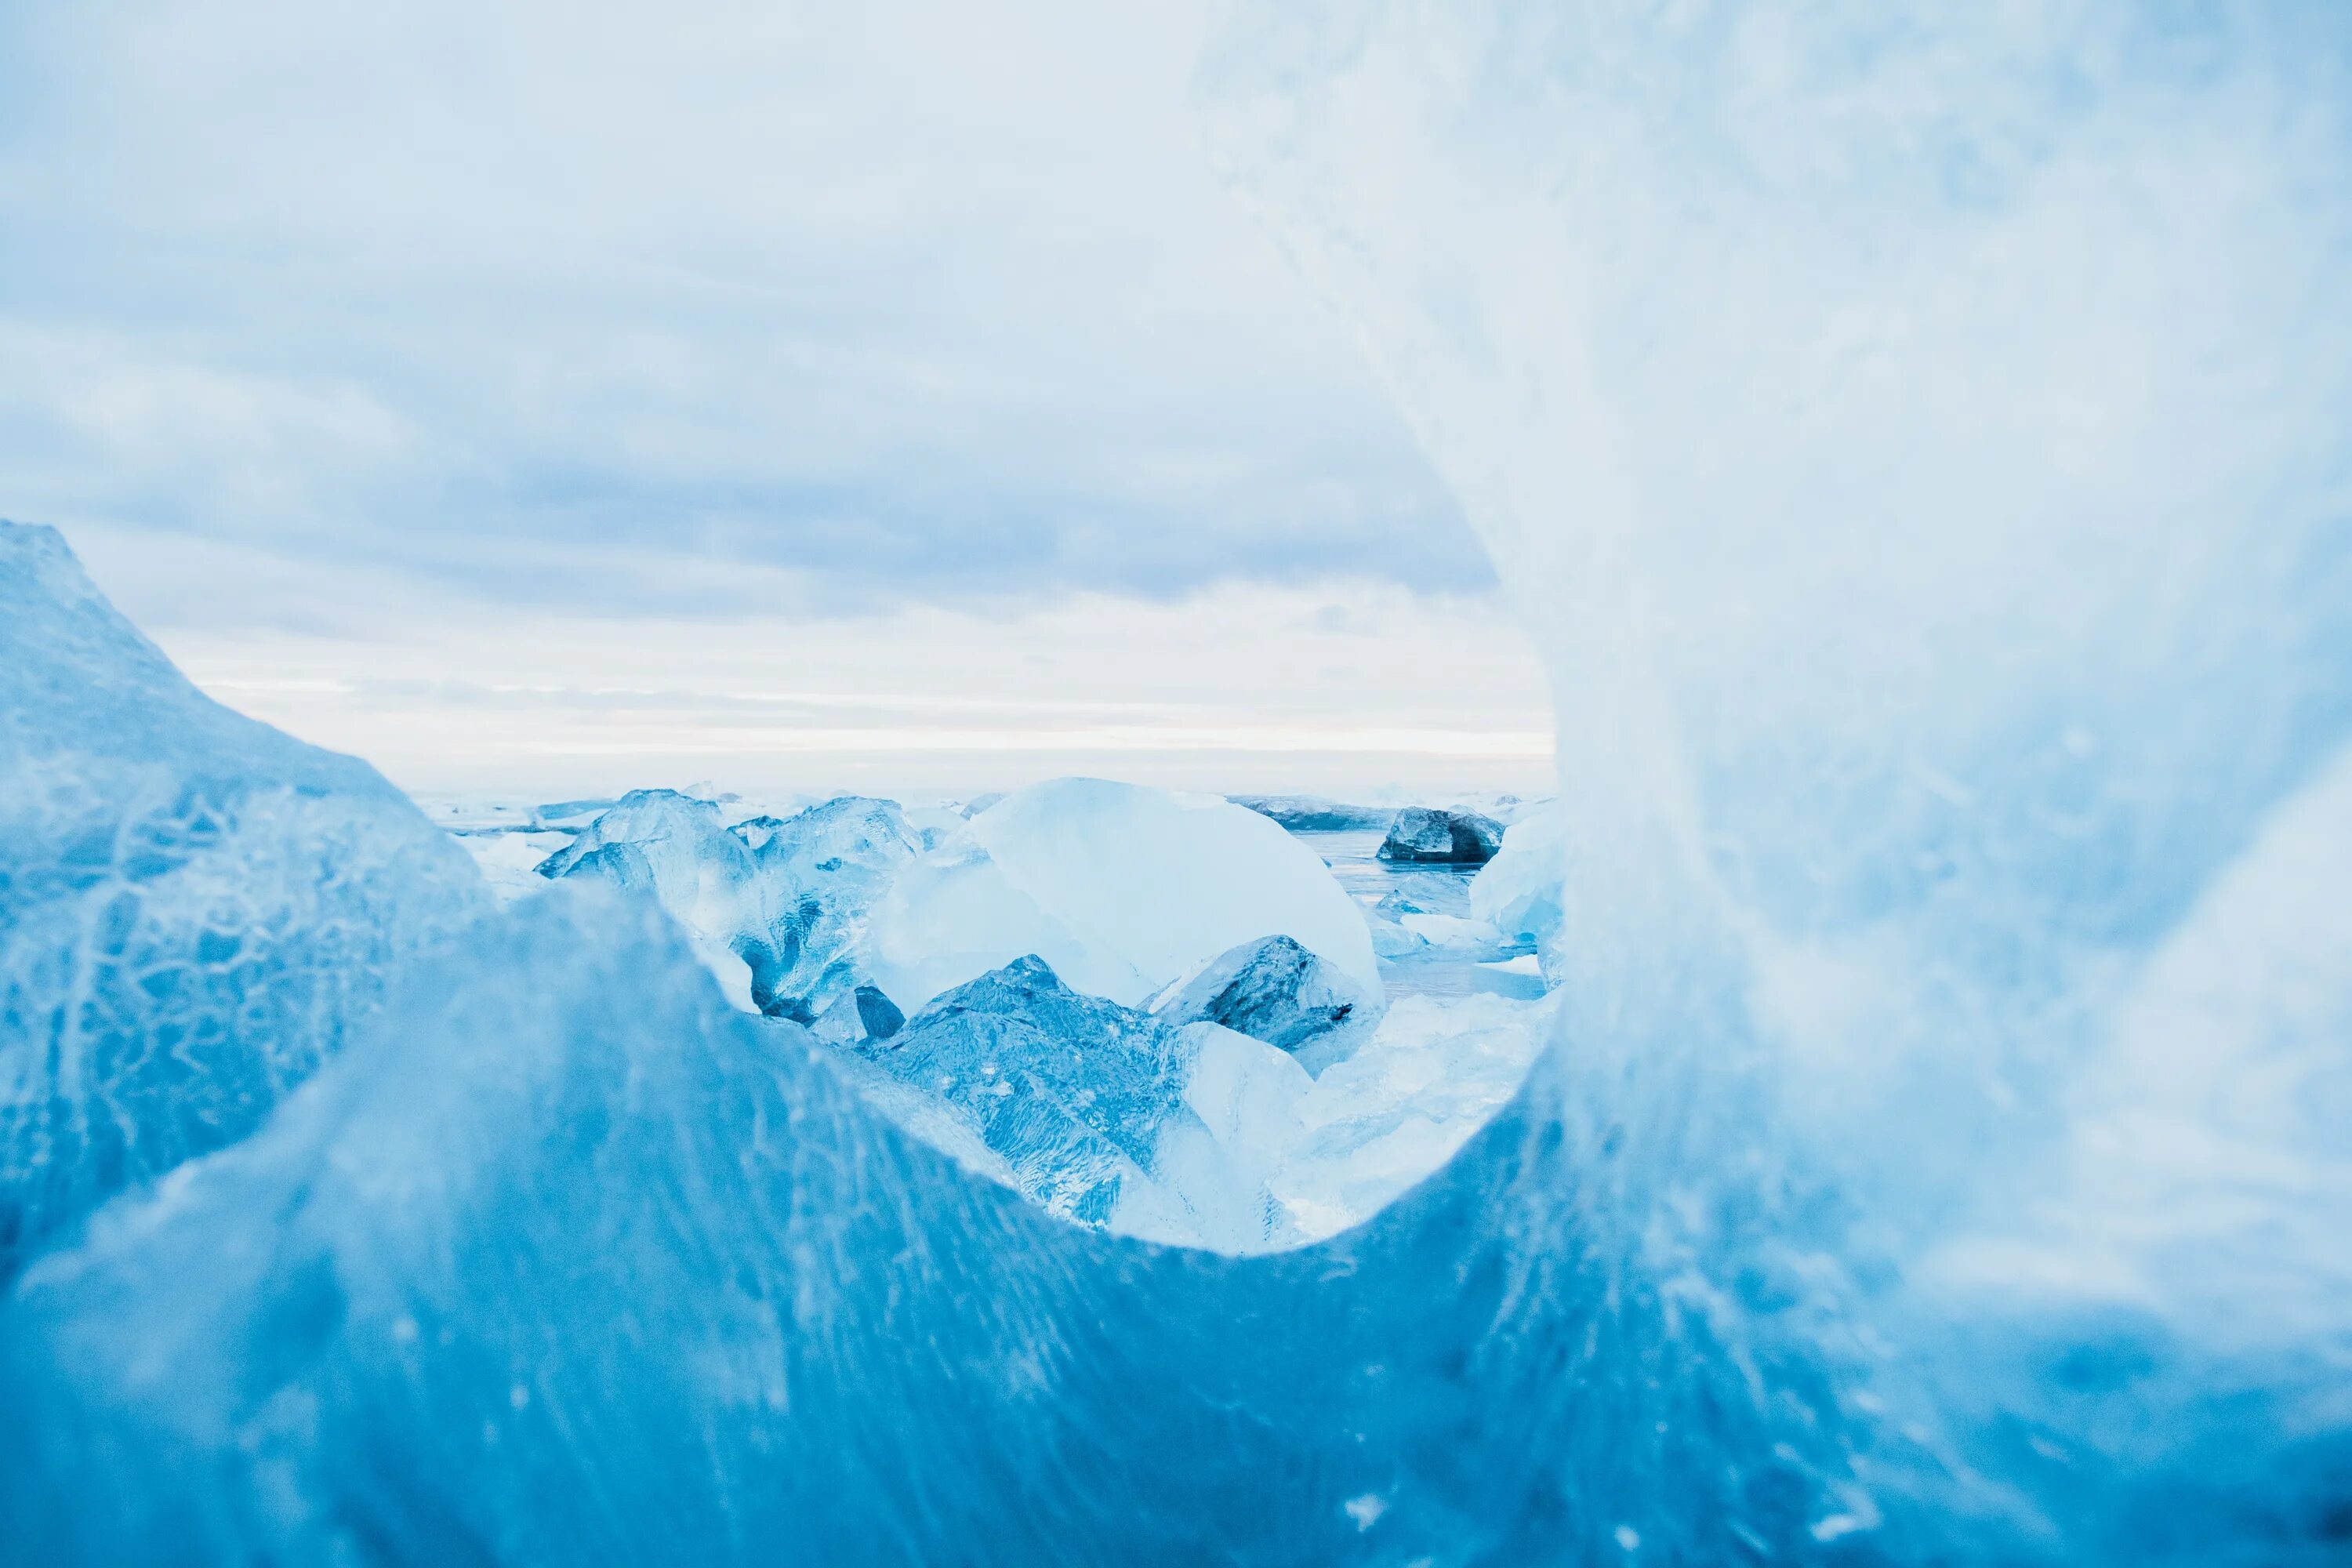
(522, 394)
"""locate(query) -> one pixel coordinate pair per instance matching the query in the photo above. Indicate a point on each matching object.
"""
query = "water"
(1354, 858)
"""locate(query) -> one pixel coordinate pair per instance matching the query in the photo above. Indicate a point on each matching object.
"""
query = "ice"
(776, 906)
(1916, 440)
(1312, 814)
(1372, 1125)
(1519, 892)
(1421, 835)
(195, 909)
(1085, 1100)
(673, 848)
(1121, 889)
(510, 861)
(823, 870)
(1473, 939)
(1275, 991)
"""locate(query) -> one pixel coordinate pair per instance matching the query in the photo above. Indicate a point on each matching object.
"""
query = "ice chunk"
(1121, 889)
(1273, 990)
(822, 870)
(1082, 1098)
(195, 909)
(1519, 892)
(879, 1015)
(782, 900)
(1425, 835)
(672, 847)
(1901, 729)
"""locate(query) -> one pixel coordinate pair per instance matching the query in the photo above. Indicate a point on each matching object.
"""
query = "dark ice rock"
(1427, 835)
(879, 1015)
(1274, 989)
(1309, 813)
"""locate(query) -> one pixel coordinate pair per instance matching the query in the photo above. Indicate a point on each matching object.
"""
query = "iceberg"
(822, 870)
(1519, 892)
(776, 906)
(1120, 889)
(195, 910)
(1425, 835)
(1077, 1095)
(1275, 991)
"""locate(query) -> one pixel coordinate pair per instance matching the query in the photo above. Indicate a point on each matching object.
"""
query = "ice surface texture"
(1072, 1090)
(194, 909)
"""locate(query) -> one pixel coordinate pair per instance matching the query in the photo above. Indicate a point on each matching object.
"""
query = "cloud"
(865, 304)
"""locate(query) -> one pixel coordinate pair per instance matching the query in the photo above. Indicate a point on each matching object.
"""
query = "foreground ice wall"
(1915, 438)
(195, 909)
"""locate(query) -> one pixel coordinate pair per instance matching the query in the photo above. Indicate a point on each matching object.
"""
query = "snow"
(1060, 869)
(510, 861)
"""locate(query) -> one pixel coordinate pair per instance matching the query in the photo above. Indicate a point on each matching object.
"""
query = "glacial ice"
(1430, 835)
(1914, 439)
(1121, 889)
(826, 868)
(194, 909)
(776, 907)
(1083, 1098)
(1273, 990)
(673, 848)
(1519, 892)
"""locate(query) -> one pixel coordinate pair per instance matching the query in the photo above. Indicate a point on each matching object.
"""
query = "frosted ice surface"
(1061, 870)
(195, 909)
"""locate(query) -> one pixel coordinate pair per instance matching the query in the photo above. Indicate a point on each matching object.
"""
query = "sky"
(568, 396)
